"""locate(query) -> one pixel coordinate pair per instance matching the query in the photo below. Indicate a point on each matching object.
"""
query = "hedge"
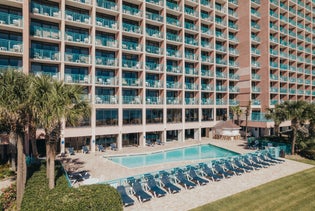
(308, 153)
(37, 195)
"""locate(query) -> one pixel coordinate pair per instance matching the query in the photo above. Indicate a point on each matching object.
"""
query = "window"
(154, 116)
(132, 116)
(106, 117)
(207, 114)
(191, 115)
(174, 115)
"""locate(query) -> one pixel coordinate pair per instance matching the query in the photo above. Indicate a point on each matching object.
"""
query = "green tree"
(57, 102)
(14, 92)
(236, 111)
(278, 115)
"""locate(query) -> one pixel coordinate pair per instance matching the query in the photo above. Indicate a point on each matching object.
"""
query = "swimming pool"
(206, 151)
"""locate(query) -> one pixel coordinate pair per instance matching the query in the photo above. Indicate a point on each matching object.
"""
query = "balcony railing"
(77, 17)
(131, 11)
(45, 32)
(191, 86)
(132, 28)
(107, 4)
(206, 101)
(191, 41)
(190, 11)
(207, 73)
(234, 89)
(106, 41)
(173, 53)
(131, 100)
(221, 88)
(127, 63)
(153, 100)
(173, 85)
(154, 66)
(191, 71)
(233, 102)
(45, 10)
(173, 100)
(54, 75)
(259, 117)
(172, 6)
(207, 87)
(191, 56)
(131, 82)
(173, 37)
(77, 78)
(220, 101)
(191, 101)
(107, 23)
(154, 33)
(154, 17)
(106, 99)
(220, 75)
(154, 49)
(255, 102)
(9, 67)
(77, 37)
(190, 26)
(11, 45)
(11, 19)
(45, 54)
(154, 83)
(256, 89)
(106, 61)
(134, 46)
(106, 80)
(173, 69)
(77, 58)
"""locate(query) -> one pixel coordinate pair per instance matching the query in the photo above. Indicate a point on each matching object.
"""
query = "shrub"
(37, 195)
(5, 171)
(308, 153)
(8, 198)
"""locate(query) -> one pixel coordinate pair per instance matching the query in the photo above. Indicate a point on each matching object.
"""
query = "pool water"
(183, 154)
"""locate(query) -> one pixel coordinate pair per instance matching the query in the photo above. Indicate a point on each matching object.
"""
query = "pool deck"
(105, 170)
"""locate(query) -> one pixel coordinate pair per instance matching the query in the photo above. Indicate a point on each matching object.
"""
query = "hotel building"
(163, 70)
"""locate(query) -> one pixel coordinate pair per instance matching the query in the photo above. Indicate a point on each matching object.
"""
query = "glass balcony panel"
(153, 66)
(259, 117)
(173, 85)
(107, 4)
(45, 54)
(131, 10)
(78, 17)
(221, 88)
(191, 56)
(173, 100)
(234, 76)
(9, 67)
(107, 23)
(77, 37)
(190, 11)
(207, 87)
(77, 78)
(255, 102)
(191, 41)
(77, 58)
(131, 82)
(132, 28)
(206, 59)
(106, 41)
(233, 102)
(256, 76)
(173, 52)
(131, 100)
(45, 32)
(106, 80)
(191, 101)
(106, 99)
(157, 2)
(131, 45)
(206, 101)
(11, 19)
(205, 2)
(45, 10)
(173, 69)
(206, 73)
(154, 83)
(11, 45)
(190, 26)
(154, 49)
(54, 75)
(172, 6)
(191, 86)
(220, 101)
(154, 17)
(127, 63)
(106, 61)
(154, 33)
(153, 100)
(173, 21)
(173, 37)
(220, 75)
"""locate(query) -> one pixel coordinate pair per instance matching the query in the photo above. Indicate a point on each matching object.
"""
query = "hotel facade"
(163, 69)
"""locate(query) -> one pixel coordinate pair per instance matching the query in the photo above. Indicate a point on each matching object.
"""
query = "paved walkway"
(105, 170)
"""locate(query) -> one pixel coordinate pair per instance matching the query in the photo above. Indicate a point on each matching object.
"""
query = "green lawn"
(295, 192)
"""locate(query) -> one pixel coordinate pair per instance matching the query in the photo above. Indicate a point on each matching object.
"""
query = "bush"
(37, 195)
(308, 153)
(5, 171)
(8, 198)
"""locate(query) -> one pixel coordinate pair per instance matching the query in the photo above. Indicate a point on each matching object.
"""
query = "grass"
(294, 192)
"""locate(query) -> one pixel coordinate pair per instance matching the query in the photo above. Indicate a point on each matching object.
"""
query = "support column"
(181, 135)
(141, 140)
(92, 143)
(119, 142)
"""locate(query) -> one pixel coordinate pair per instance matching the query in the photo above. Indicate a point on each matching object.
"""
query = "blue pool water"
(188, 153)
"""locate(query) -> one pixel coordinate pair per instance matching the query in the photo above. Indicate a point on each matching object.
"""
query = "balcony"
(234, 89)
(11, 19)
(173, 37)
(191, 12)
(154, 17)
(154, 49)
(255, 102)
(127, 63)
(207, 87)
(77, 17)
(232, 38)
(206, 16)
(191, 56)
(191, 71)
(191, 26)
(131, 82)
(133, 46)
(153, 100)
(273, 89)
(256, 77)
(206, 30)
(154, 83)
(233, 64)
(205, 3)
(44, 32)
(107, 4)
(42, 54)
(221, 61)
(54, 75)
(233, 102)
(220, 74)
(233, 76)
(259, 117)
(300, 92)
(233, 51)
(131, 100)
(284, 90)
(174, 69)
(153, 66)
(206, 73)
(255, 64)
(45, 10)
(106, 41)
(132, 28)
(77, 78)
(220, 48)
(107, 23)
(11, 45)
(255, 51)
(191, 101)
(273, 102)
(256, 89)
(220, 101)
(106, 80)
(191, 86)
(8, 67)
(222, 35)
(274, 64)
(206, 44)
(106, 61)
(255, 26)
(157, 2)
(273, 77)
(292, 91)
(173, 21)
(77, 37)
(233, 26)
(173, 100)
(173, 53)
(77, 58)
(172, 6)
(206, 101)
(220, 88)
(106, 99)
(173, 85)
(191, 41)
(131, 10)
(154, 33)
(205, 58)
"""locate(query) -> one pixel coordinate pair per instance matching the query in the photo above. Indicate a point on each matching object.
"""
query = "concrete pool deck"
(105, 170)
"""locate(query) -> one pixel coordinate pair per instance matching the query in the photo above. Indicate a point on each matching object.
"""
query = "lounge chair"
(168, 185)
(78, 176)
(127, 201)
(113, 146)
(197, 179)
(231, 167)
(154, 188)
(101, 148)
(149, 143)
(266, 159)
(257, 160)
(251, 163)
(71, 151)
(85, 150)
(274, 159)
(159, 142)
(208, 172)
(182, 178)
(220, 170)
(139, 192)
(238, 163)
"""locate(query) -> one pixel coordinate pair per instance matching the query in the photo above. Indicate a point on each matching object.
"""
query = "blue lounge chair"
(127, 201)
(85, 149)
(238, 163)
(154, 188)
(219, 169)
(251, 163)
(139, 192)
(231, 167)
(197, 179)
(274, 159)
(182, 178)
(100, 148)
(266, 159)
(168, 185)
(208, 172)
(159, 142)
(71, 151)
(78, 176)
(113, 146)
(258, 161)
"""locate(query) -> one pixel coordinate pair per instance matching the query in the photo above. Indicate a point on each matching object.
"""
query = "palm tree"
(311, 117)
(57, 102)
(236, 111)
(14, 91)
(247, 113)
(276, 114)
(296, 111)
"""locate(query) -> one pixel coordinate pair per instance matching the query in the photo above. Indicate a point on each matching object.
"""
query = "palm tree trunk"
(47, 141)
(20, 183)
(12, 149)
(52, 154)
(277, 129)
(294, 131)
(32, 130)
